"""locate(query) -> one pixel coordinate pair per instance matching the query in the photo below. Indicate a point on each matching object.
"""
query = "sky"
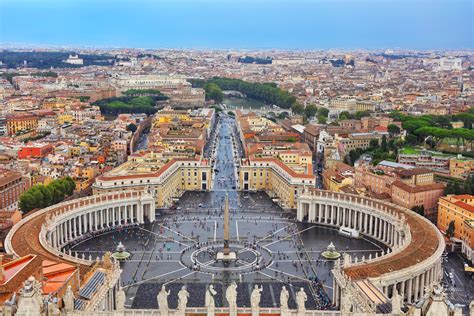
(245, 24)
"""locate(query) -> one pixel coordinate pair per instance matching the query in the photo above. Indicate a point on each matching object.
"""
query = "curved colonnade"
(412, 262)
(413, 259)
(52, 228)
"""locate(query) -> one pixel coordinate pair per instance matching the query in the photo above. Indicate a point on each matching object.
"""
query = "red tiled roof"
(417, 188)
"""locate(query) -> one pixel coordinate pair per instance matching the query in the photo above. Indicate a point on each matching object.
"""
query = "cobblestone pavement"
(460, 287)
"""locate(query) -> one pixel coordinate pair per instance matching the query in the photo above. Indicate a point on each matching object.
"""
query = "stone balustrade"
(202, 311)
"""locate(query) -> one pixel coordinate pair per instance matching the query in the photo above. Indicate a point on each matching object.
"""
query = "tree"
(70, 185)
(467, 186)
(40, 196)
(323, 112)
(353, 156)
(322, 119)
(46, 196)
(28, 201)
(393, 129)
(374, 143)
(57, 191)
(383, 146)
(310, 110)
(131, 128)
(360, 114)
(297, 108)
(450, 229)
(345, 115)
(392, 145)
(411, 139)
(419, 209)
(457, 188)
(449, 188)
(213, 92)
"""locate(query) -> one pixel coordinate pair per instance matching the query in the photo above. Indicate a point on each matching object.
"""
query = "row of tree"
(129, 104)
(458, 187)
(41, 196)
(268, 93)
(438, 127)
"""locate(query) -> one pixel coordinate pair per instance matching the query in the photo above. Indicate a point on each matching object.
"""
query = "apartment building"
(12, 185)
(357, 140)
(17, 123)
(437, 162)
(444, 164)
(461, 167)
(337, 176)
(407, 186)
(460, 210)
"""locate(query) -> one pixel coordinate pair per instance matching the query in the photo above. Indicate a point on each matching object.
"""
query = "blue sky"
(247, 24)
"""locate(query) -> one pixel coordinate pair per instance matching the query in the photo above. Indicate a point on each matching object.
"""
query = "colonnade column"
(370, 224)
(409, 290)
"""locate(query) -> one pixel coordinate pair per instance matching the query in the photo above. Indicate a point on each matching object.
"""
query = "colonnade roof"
(26, 241)
(424, 243)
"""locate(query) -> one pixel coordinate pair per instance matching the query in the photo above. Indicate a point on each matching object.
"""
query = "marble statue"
(231, 296)
(9, 305)
(106, 260)
(68, 300)
(301, 299)
(209, 300)
(163, 301)
(284, 295)
(183, 295)
(120, 300)
(255, 297)
(396, 302)
(53, 309)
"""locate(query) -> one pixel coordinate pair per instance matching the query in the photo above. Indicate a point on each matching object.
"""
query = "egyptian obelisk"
(226, 225)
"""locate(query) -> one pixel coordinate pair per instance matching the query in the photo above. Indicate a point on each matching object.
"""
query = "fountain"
(120, 253)
(331, 253)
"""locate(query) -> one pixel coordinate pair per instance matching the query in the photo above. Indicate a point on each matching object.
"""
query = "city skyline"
(207, 24)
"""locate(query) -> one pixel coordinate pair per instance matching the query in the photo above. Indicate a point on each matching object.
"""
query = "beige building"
(460, 210)
(273, 176)
(166, 181)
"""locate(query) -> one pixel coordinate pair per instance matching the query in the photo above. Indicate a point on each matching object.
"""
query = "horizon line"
(6, 46)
